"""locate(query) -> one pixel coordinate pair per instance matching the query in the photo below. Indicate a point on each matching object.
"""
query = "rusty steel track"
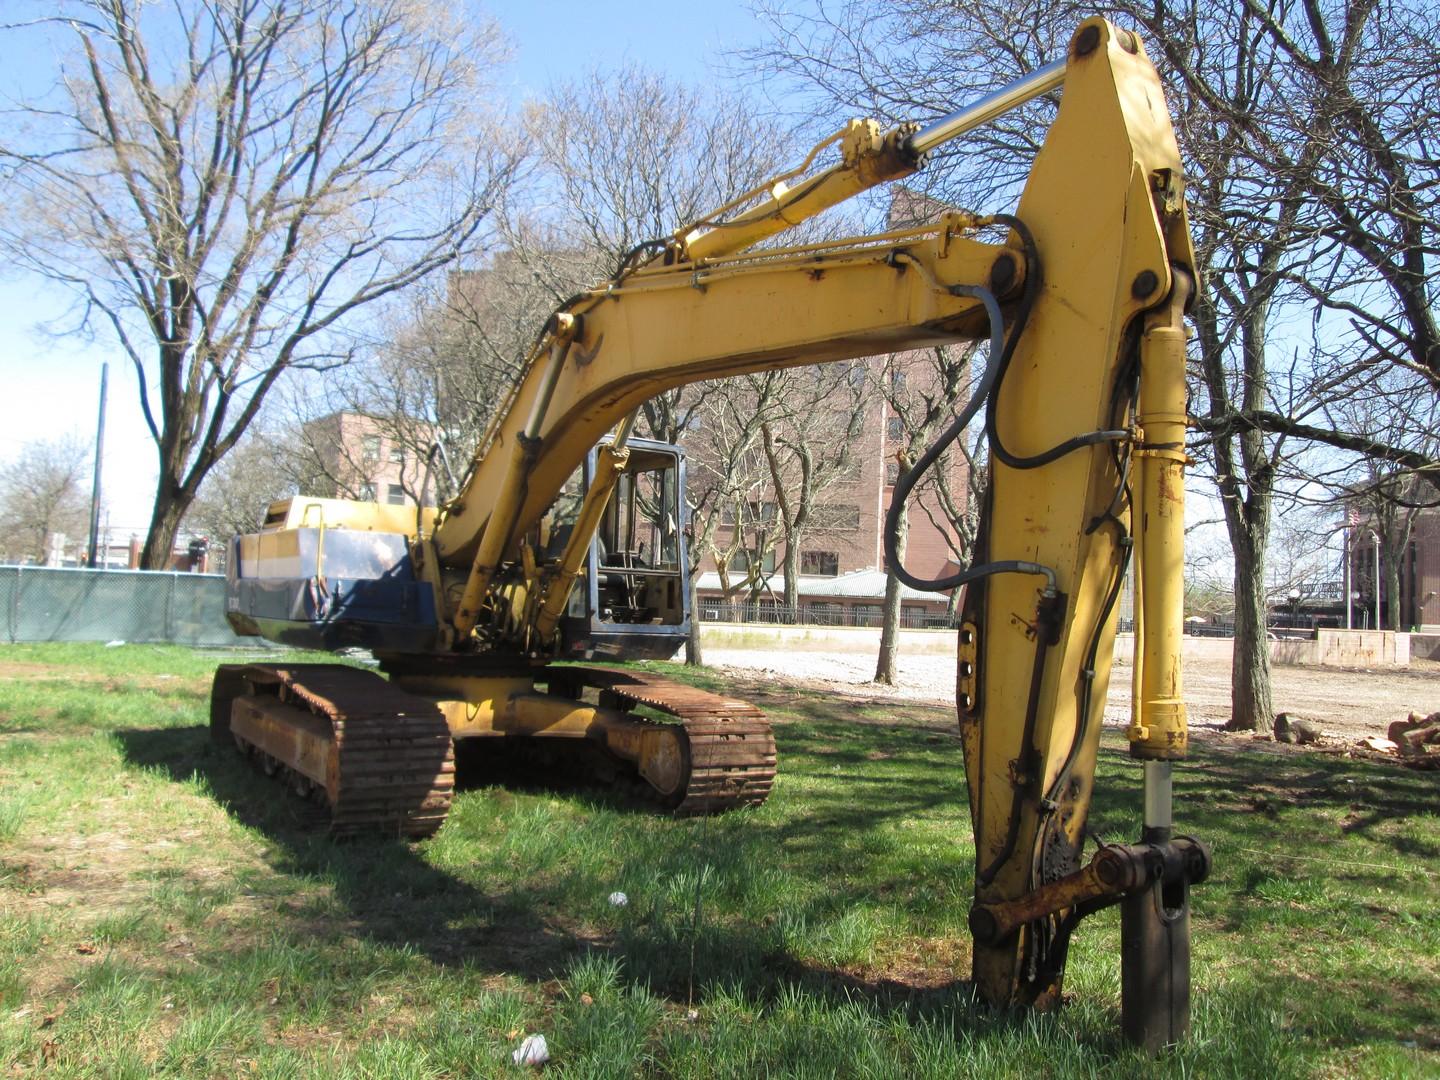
(389, 759)
(729, 743)
(390, 762)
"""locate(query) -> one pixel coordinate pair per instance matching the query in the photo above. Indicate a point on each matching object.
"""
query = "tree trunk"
(791, 568)
(1394, 608)
(170, 507)
(1251, 707)
(693, 655)
(885, 667)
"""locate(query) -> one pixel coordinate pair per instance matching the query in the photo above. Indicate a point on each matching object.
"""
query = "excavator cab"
(632, 602)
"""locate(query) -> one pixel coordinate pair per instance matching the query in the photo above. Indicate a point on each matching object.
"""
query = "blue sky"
(51, 387)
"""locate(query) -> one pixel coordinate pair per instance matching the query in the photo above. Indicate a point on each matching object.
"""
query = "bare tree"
(625, 158)
(809, 439)
(236, 494)
(733, 508)
(1313, 189)
(44, 494)
(922, 392)
(225, 186)
(427, 385)
(1348, 74)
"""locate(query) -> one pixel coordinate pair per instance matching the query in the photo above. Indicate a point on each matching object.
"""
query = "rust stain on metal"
(1169, 490)
(730, 742)
(393, 768)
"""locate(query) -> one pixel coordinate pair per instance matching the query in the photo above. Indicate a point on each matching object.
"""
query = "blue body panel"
(364, 595)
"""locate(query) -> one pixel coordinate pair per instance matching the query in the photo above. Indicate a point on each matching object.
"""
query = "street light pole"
(1376, 533)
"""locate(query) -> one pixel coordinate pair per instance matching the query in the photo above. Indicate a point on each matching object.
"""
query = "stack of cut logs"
(1419, 736)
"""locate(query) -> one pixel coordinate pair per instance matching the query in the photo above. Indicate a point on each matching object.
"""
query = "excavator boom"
(1080, 294)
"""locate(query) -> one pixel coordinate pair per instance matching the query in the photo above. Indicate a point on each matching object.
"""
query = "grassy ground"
(162, 913)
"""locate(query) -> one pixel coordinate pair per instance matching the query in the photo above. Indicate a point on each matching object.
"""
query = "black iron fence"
(822, 613)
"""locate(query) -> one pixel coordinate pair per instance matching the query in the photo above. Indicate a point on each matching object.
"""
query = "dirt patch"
(26, 671)
(1348, 704)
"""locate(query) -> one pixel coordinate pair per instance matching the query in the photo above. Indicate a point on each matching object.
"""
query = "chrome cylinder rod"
(1038, 82)
(1158, 795)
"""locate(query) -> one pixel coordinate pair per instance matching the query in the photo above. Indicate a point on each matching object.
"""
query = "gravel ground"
(1347, 703)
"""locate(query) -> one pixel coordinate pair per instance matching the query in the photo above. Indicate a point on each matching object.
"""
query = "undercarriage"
(378, 753)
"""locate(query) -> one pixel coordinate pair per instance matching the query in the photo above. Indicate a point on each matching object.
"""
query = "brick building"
(370, 458)
(1419, 574)
(841, 561)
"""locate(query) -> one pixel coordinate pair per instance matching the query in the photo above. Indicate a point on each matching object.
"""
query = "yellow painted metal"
(609, 463)
(499, 525)
(1104, 202)
(498, 529)
(481, 706)
(667, 329)
(307, 512)
(427, 569)
(867, 158)
(1158, 728)
(1101, 201)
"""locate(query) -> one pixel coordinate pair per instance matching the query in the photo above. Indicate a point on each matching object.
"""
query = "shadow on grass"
(523, 923)
(389, 892)
(1292, 799)
(387, 889)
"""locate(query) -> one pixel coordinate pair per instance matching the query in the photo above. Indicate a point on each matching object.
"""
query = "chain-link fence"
(39, 603)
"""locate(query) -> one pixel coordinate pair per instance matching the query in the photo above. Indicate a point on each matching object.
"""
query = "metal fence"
(912, 617)
(40, 603)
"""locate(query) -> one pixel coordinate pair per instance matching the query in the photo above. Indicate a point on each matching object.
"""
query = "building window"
(367, 492)
(897, 380)
(892, 472)
(820, 563)
(370, 447)
(740, 561)
(395, 495)
(826, 613)
(761, 513)
(894, 428)
(397, 455)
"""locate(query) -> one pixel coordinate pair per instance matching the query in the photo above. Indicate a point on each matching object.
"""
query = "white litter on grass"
(533, 1051)
(113, 644)
(618, 899)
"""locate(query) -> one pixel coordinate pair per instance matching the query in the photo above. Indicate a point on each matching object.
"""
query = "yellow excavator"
(566, 540)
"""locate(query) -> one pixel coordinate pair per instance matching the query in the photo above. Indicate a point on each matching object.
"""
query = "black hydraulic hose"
(1027, 763)
(1087, 676)
(906, 483)
(1022, 316)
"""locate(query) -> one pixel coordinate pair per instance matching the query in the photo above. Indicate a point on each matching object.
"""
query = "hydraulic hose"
(1022, 316)
(906, 483)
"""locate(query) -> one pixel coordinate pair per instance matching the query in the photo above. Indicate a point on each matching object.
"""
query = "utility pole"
(99, 451)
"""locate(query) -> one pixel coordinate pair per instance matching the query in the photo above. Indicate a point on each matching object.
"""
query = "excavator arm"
(1085, 411)
(1081, 295)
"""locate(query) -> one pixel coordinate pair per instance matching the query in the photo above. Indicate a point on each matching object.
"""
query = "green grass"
(163, 913)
